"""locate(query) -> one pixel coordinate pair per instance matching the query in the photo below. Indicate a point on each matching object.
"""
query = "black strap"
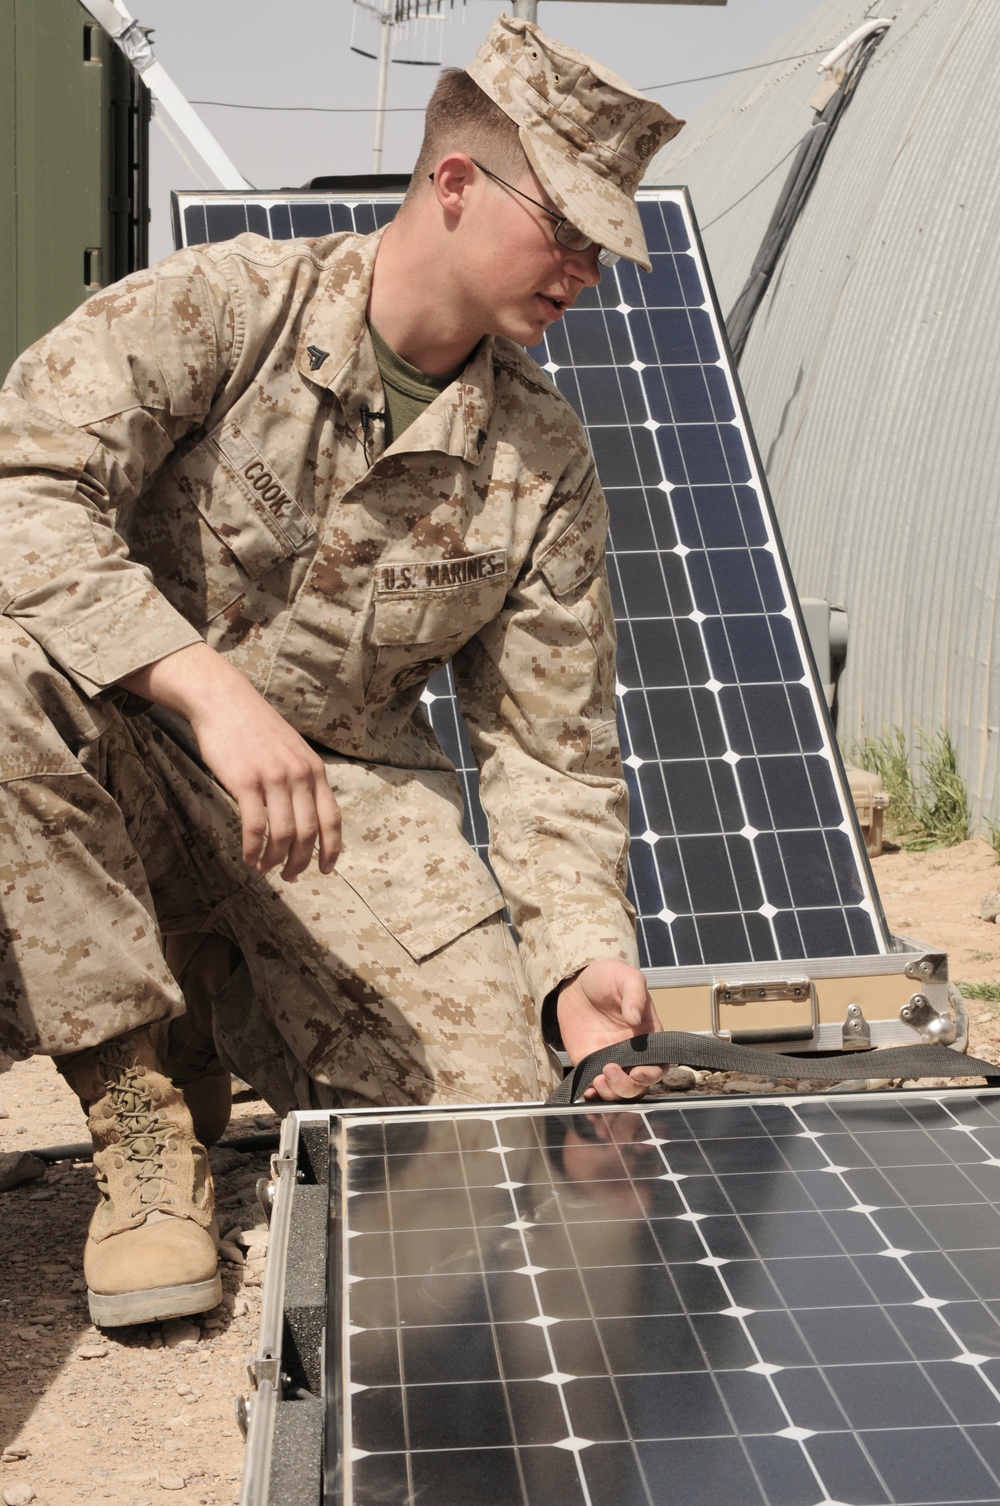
(675, 1046)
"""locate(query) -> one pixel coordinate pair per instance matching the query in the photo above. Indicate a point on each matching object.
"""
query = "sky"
(299, 53)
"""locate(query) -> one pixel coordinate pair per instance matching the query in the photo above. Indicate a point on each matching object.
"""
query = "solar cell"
(785, 1303)
(745, 845)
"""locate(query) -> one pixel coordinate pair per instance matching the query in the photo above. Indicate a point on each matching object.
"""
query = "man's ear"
(452, 178)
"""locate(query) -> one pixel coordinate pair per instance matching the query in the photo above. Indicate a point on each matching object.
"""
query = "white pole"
(120, 26)
(526, 10)
(384, 49)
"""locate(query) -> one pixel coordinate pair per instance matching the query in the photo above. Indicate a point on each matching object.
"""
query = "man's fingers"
(637, 1006)
(284, 823)
(280, 828)
(328, 814)
(614, 1085)
(253, 820)
(302, 845)
(317, 822)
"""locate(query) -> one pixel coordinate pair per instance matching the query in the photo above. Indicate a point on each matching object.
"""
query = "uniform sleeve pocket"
(184, 344)
(572, 559)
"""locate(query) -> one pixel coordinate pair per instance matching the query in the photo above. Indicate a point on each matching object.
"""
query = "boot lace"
(143, 1138)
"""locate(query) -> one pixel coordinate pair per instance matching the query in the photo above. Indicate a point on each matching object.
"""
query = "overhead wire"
(226, 104)
(752, 189)
(675, 83)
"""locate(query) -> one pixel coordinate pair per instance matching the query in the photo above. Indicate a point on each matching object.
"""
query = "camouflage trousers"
(112, 837)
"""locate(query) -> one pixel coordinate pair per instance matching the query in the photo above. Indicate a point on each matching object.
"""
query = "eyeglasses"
(564, 231)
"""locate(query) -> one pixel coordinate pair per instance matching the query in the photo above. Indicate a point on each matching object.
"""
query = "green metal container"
(74, 122)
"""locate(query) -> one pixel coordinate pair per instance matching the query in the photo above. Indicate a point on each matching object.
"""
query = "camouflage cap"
(587, 134)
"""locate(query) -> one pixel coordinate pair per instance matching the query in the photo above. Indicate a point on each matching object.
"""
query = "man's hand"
(608, 1002)
(278, 782)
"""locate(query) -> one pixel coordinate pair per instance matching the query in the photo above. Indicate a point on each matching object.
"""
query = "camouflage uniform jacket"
(184, 457)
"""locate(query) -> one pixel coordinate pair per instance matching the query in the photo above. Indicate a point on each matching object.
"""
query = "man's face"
(519, 277)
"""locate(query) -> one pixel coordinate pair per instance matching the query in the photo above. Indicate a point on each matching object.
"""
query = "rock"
(180, 1331)
(14, 1451)
(223, 1160)
(989, 909)
(171, 1482)
(749, 1085)
(91, 1351)
(18, 1494)
(678, 1079)
(3, 1112)
(984, 1019)
(18, 1167)
(252, 1238)
(229, 1251)
(139, 1477)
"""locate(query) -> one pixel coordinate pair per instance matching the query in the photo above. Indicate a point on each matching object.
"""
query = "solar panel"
(745, 846)
(765, 1303)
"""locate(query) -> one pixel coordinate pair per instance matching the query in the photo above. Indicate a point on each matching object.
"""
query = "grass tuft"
(933, 812)
(990, 992)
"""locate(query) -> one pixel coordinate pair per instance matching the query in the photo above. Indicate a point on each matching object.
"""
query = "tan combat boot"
(151, 1246)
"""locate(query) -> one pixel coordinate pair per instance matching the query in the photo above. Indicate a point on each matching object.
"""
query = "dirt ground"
(124, 1416)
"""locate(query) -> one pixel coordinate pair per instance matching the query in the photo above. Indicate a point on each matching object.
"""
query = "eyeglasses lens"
(574, 240)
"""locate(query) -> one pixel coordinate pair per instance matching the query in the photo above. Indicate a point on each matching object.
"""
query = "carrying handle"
(668, 1047)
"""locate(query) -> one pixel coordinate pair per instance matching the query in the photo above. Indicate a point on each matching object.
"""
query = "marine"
(252, 500)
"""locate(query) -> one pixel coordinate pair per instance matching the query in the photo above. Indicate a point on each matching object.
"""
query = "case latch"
(935, 1027)
(857, 1033)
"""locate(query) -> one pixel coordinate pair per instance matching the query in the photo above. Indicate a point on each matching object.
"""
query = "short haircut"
(462, 118)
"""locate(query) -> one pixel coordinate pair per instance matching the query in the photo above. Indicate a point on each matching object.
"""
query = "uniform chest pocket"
(437, 601)
(243, 501)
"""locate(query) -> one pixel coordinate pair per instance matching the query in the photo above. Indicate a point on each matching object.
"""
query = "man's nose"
(584, 266)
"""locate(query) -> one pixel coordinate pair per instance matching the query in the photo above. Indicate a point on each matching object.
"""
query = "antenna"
(410, 18)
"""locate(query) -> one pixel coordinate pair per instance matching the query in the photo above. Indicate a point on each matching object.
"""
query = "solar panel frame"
(708, 891)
